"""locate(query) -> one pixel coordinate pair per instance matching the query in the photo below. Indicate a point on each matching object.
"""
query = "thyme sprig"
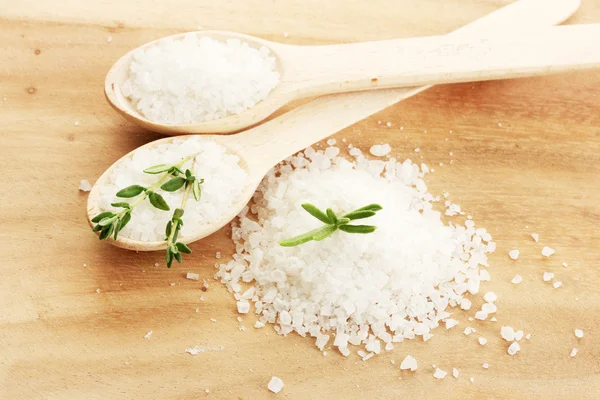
(173, 178)
(333, 223)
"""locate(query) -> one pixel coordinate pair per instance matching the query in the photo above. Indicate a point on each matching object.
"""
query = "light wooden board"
(59, 339)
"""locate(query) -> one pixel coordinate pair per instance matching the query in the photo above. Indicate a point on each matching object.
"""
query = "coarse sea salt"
(84, 185)
(517, 279)
(224, 181)
(410, 363)
(547, 251)
(514, 254)
(578, 333)
(194, 79)
(360, 287)
(275, 384)
(380, 150)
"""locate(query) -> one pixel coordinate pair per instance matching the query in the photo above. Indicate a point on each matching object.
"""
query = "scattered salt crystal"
(472, 379)
(147, 335)
(84, 185)
(417, 150)
(465, 304)
(450, 323)
(484, 275)
(507, 333)
(517, 279)
(514, 254)
(548, 276)
(98, 290)
(468, 330)
(213, 320)
(489, 308)
(485, 365)
(109, 39)
(493, 319)
(172, 283)
(482, 341)
(481, 315)
(490, 297)
(535, 237)
(578, 333)
(427, 336)
(557, 284)
(331, 142)
(76, 123)
(240, 319)
(285, 34)
(275, 385)
(547, 251)
(518, 335)
(218, 254)
(258, 325)
(192, 276)
(243, 307)
(565, 264)
(388, 124)
(514, 348)
(380, 150)
(528, 336)
(574, 352)
(156, 264)
(455, 373)
(439, 374)
(409, 363)
(393, 362)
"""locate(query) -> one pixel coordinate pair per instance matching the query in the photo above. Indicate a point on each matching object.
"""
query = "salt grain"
(518, 335)
(192, 276)
(490, 297)
(275, 384)
(243, 307)
(455, 373)
(439, 374)
(517, 279)
(535, 237)
(450, 323)
(547, 251)
(468, 330)
(565, 264)
(380, 150)
(481, 315)
(578, 333)
(482, 341)
(514, 348)
(147, 335)
(465, 304)
(514, 254)
(548, 276)
(409, 363)
(574, 352)
(485, 365)
(557, 284)
(196, 78)
(84, 185)
(507, 333)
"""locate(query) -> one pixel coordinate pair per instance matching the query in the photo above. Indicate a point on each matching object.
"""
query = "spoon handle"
(432, 60)
(271, 142)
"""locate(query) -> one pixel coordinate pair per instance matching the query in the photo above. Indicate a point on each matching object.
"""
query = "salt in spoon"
(307, 71)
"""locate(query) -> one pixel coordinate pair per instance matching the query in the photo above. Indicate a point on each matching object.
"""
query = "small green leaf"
(173, 184)
(318, 214)
(97, 228)
(178, 257)
(117, 228)
(105, 233)
(308, 236)
(175, 171)
(157, 169)
(357, 228)
(188, 174)
(325, 232)
(125, 220)
(183, 248)
(370, 207)
(196, 190)
(177, 214)
(168, 229)
(101, 216)
(130, 191)
(120, 205)
(173, 249)
(331, 216)
(343, 221)
(108, 220)
(177, 229)
(158, 201)
(359, 214)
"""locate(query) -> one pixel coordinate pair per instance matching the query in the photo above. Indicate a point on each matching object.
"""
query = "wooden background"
(60, 339)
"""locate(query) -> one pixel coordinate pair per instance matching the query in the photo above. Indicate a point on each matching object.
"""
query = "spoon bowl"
(307, 71)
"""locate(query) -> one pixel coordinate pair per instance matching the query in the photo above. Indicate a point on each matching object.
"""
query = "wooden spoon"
(262, 147)
(317, 70)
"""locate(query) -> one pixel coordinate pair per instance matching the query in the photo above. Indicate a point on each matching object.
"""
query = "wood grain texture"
(59, 339)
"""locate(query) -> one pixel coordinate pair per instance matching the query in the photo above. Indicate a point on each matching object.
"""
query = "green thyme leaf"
(178, 257)
(130, 191)
(196, 190)
(359, 214)
(173, 185)
(357, 228)
(183, 248)
(120, 205)
(332, 216)
(318, 214)
(97, 228)
(108, 220)
(371, 207)
(178, 213)
(157, 169)
(101, 216)
(158, 201)
(105, 233)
